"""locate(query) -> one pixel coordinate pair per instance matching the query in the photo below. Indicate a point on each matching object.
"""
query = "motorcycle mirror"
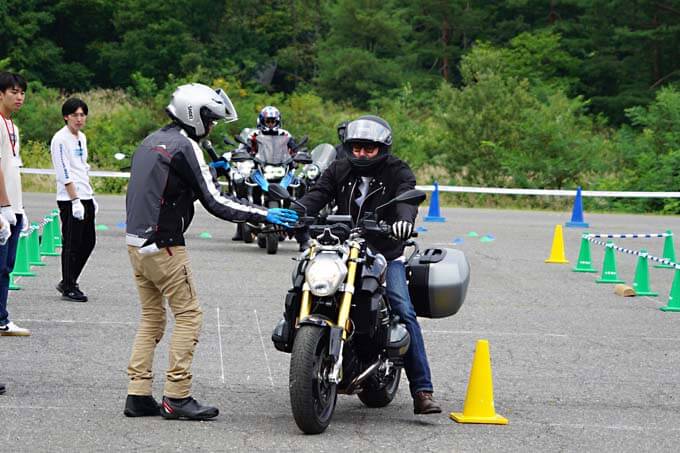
(302, 157)
(228, 141)
(276, 191)
(303, 141)
(412, 197)
(119, 156)
(240, 156)
(239, 139)
(279, 192)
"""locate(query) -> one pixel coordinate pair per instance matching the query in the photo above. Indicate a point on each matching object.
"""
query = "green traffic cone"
(674, 298)
(21, 266)
(609, 274)
(668, 251)
(641, 282)
(584, 264)
(12, 285)
(47, 241)
(34, 246)
(56, 229)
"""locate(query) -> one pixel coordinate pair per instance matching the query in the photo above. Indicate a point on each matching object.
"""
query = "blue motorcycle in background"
(272, 163)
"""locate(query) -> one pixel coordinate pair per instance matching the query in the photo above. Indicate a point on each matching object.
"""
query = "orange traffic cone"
(479, 406)
(557, 255)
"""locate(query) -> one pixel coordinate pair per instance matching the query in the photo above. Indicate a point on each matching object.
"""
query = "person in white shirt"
(12, 96)
(75, 197)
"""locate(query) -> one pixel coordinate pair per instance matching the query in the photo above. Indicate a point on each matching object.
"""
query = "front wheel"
(272, 243)
(380, 392)
(312, 396)
(247, 233)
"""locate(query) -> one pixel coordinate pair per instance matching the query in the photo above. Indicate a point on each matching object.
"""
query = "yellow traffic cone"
(557, 255)
(479, 406)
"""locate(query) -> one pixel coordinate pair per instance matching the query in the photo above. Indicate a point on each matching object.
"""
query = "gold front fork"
(346, 302)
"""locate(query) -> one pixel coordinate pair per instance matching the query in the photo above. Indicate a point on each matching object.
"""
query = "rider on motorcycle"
(369, 177)
(269, 123)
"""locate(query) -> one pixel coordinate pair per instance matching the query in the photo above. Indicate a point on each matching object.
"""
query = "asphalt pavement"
(575, 366)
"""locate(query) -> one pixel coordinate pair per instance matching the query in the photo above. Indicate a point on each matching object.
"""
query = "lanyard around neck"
(12, 136)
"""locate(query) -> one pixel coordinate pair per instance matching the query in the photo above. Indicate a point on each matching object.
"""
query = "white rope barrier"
(459, 189)
(665, 261)
(631, 235)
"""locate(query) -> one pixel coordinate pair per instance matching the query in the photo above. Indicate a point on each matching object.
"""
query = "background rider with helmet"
(168, 174)
(369, 177)
(269, 123)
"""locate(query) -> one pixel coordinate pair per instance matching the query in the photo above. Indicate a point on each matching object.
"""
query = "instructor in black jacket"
(369, 177)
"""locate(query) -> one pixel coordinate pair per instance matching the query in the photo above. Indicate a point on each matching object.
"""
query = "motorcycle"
(272, 163)
(338, 326)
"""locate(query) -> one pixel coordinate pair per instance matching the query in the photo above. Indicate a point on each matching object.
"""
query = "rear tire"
(312, 397)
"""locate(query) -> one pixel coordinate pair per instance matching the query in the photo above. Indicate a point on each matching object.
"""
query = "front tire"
(272, 243)
(247, 233)
(380, 395)
(312, 397)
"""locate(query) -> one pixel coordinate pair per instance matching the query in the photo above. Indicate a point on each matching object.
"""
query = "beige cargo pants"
(164, 274)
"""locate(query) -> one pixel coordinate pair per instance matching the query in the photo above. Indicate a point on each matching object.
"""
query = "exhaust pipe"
(368, 372)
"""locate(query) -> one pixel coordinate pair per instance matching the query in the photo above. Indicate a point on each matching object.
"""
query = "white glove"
(149, 249)
(77, 209)
(96, 205)
(25, 224)
(5, 232)
(8, 213)
(402, 229)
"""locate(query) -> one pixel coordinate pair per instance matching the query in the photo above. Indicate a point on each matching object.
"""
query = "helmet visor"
(230, 111)
(367, 131)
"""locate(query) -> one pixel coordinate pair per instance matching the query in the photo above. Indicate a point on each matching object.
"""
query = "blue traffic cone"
(433, 212)
(577, 213)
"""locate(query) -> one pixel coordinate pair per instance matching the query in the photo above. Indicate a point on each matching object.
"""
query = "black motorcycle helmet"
(342, 129)
(372, 131)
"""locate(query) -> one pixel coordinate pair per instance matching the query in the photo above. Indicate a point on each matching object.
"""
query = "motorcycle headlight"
(274, 172)
(311, 171)
(245, 167)
(325, 274)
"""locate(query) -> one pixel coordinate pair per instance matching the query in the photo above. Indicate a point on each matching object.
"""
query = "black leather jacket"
(340, 183)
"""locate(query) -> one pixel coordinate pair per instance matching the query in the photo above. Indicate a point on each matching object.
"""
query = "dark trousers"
(8, 254)
(78, 239)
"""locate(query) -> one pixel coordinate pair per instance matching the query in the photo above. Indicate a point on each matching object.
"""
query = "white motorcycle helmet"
(195, 106)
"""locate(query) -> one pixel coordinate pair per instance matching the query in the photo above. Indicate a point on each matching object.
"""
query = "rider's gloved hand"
(220, 163)
(281, 216)
(402, 230)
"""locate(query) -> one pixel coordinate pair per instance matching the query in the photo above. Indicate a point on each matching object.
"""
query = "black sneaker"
(2, 389)
(187, 408)
(74, 295)
(141, 406)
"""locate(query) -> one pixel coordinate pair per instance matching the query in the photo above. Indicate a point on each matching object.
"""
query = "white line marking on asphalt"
(219, 338)
(264, 350)
(539, 334)
(72, 321)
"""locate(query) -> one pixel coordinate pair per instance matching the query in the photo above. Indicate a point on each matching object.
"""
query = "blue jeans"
(416, 365)
(8, 255)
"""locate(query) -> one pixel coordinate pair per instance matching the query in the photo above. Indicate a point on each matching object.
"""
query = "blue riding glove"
(280, 216)
(220, 163)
